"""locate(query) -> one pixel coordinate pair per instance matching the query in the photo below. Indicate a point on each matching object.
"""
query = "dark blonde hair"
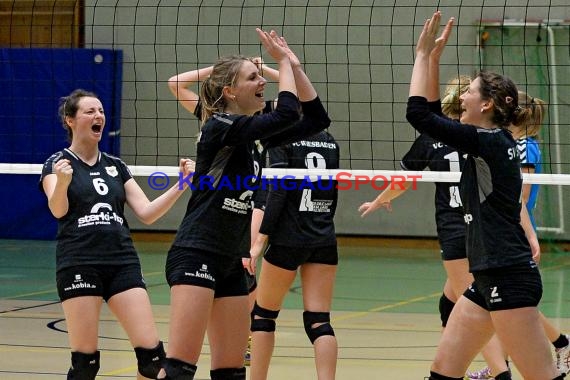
(531, 114)
(68, 106)
(224, 73)
(451, 104)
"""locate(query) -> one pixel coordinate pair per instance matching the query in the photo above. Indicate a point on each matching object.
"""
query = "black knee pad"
(312, 317)
(504, 376)
(84, 366)
(437, 376)
(150, 360)
(445, 307)
(228, 374)
(267, 320)
(178, 370)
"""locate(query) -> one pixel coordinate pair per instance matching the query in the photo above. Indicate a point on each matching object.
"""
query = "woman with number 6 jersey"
(95, 258)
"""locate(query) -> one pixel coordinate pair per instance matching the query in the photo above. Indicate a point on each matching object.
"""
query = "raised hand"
(258, 62)
(271, 44)
(295, 62)
(426, 42)
(442, 40)
(265, 70)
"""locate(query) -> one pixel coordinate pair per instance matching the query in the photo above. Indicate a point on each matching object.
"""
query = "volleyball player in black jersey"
(500, 247)
(299, 228)
(204, 266)
(95, 257)
(179, 85)
(426, 152)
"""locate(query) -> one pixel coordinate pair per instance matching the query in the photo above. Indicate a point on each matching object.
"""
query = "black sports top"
(300, 213)
(427, 152)
(94, 230)
(490, 187)
(218, 215)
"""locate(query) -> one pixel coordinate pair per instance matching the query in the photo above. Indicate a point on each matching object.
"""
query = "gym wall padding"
(31, 83)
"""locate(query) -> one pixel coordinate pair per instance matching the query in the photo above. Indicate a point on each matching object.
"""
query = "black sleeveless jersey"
(300, 213)
(490, 187)
(228, 172)
(429, 153)
(94, 230)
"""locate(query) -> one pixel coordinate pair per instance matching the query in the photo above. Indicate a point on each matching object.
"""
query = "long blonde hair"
(451, 104)
(531, 114)
(224, 73)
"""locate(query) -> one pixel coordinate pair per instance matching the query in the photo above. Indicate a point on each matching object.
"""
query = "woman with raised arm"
(180, 85)
(427, 152)
(507, 285)
(96, 260)
(204, 266)
(298, 225)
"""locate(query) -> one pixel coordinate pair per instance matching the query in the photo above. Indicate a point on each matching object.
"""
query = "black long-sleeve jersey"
(427, 152)
(490, 187)
(94, 230)
(259, 195)
(316, 120)
(228, 171)
(300, 213)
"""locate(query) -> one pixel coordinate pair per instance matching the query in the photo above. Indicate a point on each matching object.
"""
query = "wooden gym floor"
(384, 312)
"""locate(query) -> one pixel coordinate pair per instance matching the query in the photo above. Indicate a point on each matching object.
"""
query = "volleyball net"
(358, 54)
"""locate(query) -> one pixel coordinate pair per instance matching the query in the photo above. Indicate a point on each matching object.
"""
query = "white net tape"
(339, 174)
